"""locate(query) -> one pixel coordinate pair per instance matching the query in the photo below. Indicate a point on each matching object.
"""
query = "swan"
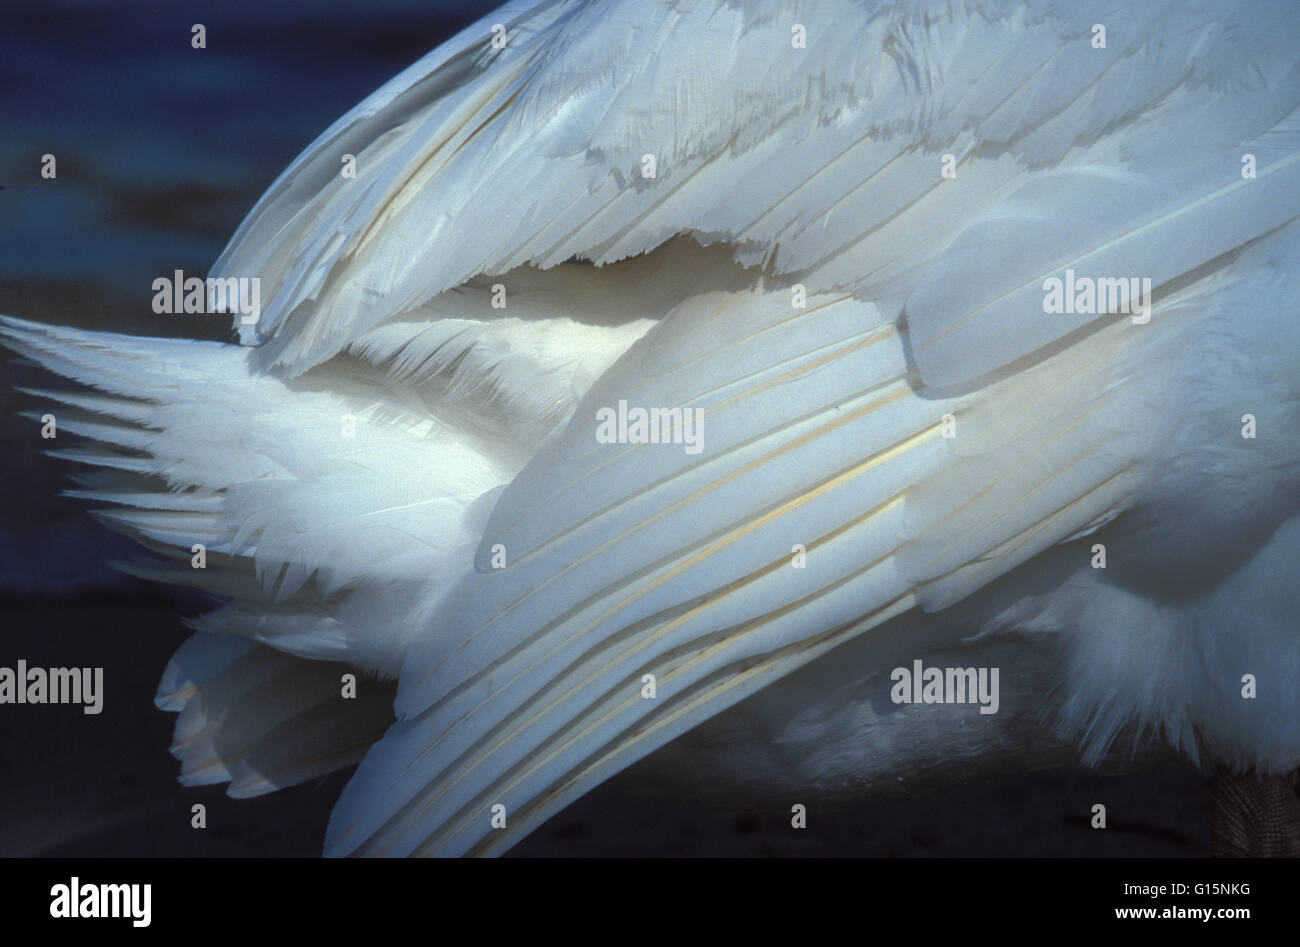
(716, 379)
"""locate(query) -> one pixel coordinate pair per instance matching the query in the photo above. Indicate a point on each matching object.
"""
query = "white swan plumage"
(827, 226)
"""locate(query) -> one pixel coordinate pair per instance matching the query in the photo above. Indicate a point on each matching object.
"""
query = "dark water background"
(161, 150)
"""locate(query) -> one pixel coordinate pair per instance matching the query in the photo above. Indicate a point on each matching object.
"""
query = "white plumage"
(354, 470)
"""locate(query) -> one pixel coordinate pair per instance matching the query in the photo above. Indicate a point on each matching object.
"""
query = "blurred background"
(161, 150)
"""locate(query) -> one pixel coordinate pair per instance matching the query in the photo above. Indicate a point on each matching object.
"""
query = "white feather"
(778, 170)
